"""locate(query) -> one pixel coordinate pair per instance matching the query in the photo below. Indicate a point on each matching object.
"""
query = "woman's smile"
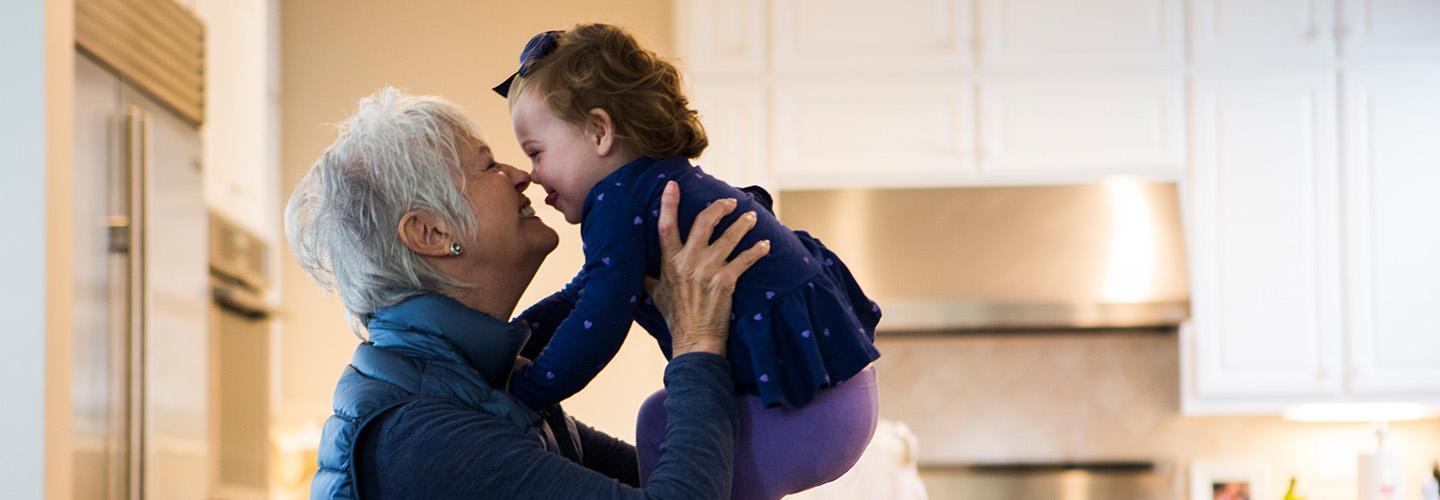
(527, 211)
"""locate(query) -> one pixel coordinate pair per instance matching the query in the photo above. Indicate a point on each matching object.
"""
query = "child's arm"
(547, 314)
(613, 284)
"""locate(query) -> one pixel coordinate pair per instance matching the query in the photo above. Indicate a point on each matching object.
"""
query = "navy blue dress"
(800, 321)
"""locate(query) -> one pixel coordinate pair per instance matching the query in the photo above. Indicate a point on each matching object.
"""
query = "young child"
(606, 126)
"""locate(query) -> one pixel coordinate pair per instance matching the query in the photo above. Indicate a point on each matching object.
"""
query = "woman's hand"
(695, 280)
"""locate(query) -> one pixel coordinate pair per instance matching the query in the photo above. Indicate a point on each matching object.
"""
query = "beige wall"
(336, 51)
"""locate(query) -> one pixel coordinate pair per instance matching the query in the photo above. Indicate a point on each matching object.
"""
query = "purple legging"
(782, 451)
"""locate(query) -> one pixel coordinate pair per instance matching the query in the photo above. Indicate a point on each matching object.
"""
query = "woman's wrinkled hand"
(696, 282)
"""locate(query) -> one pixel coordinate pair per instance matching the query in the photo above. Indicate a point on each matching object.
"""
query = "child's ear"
(601, 131)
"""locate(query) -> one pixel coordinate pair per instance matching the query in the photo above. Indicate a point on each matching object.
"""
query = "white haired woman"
(430, 242)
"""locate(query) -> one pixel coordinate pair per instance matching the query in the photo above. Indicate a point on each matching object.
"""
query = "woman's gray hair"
(396, 154)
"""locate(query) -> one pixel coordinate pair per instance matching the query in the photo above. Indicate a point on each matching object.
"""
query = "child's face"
(563, 157)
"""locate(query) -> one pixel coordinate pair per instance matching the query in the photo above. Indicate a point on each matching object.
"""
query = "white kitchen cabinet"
(1058, 99)
(1392, 251)
(851, 36)
(1273, 32)
(1034, 34)
(241, 153)
(879, 133)
(1078, 127)
(734, 119)
(1263, 228)
(1390, 30)
(1288, 310)
(721, 37)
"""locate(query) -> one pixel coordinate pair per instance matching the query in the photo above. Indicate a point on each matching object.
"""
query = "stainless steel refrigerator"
(142, 352)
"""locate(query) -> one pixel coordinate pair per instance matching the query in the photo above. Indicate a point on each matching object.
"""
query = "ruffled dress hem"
(790, 344)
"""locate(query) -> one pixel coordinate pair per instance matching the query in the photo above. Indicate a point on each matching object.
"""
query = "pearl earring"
(455, 249)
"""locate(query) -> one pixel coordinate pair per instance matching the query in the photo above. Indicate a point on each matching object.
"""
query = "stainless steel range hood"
(1096, 256)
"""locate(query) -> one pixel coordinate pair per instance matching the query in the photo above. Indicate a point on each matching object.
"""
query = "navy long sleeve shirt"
(439, 449)
(801, 323)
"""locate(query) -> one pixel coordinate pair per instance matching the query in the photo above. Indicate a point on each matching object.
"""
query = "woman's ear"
(425, 234)
(600, 129)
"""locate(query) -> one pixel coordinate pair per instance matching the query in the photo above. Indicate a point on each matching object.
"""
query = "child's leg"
(787, 451)
(650, 433)
(780, 452)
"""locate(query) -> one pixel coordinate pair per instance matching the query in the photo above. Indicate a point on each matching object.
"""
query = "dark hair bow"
(538, 46)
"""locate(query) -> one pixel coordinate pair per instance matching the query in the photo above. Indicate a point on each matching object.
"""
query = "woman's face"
(564, 160)
(506, 228)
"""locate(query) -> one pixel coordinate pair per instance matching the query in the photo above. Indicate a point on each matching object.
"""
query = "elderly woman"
(430, 242)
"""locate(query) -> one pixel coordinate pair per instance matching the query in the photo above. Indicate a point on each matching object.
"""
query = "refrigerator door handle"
(137, 160)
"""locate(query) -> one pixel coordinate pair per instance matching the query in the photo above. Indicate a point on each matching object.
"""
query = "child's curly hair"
(602, 66)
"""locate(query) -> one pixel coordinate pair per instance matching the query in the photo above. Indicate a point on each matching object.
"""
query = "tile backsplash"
(1107, 396)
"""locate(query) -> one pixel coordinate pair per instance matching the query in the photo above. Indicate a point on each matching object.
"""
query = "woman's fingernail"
(764, 242)
(750, 215)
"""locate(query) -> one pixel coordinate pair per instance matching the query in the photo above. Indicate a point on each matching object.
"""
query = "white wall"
(22, 257)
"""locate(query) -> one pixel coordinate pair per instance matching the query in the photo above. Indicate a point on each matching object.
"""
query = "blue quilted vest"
(429, 346)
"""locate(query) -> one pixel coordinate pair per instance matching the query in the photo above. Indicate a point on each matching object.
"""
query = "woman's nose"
(518, 177)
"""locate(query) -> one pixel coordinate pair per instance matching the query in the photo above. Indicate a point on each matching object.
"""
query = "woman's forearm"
(699, 455)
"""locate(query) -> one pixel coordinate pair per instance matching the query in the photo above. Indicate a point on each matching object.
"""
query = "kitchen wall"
(333, 54)
(1106, 396)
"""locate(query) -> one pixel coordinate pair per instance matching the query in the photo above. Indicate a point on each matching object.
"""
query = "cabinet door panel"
(864, 35)
(1391, 30)
(872, 134)
(723, 37)
(1270, 32)
(1062, 128)
(1264, 237)
(1063, 33)
(1392, 171)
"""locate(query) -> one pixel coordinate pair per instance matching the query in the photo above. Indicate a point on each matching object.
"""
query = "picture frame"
(1230, 480)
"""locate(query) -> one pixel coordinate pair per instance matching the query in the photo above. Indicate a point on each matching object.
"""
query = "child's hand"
(696, 283)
